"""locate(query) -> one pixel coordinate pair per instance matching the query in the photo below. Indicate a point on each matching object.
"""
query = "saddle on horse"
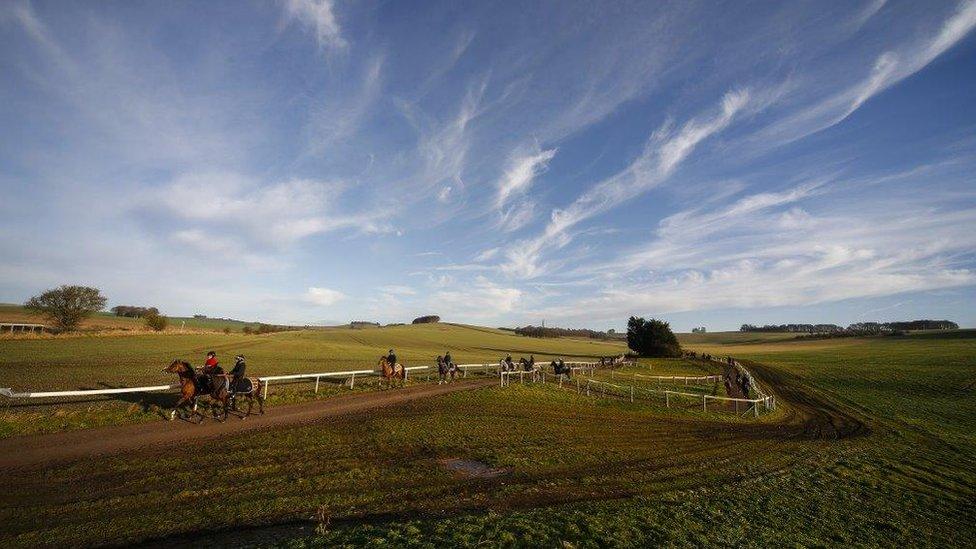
(241, 385)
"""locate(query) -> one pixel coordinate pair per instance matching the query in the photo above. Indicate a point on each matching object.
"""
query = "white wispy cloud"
(275, 214)
(487, 254)
(319, 16)
(323, 297)
(889, 68)
(337, 117)
(662, 154)
(521, 172)
(396, 289)
(768, 249)
(480, 299)
(518, 178)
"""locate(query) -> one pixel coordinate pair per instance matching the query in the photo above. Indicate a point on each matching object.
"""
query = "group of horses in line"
(558, 366)
(223, 400)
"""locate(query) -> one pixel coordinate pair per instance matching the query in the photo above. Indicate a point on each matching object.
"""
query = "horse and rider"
(446, 367)
(559, 367)
(391, 370)
(222, 388)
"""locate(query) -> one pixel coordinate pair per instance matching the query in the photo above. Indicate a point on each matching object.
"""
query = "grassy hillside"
(580, 471)
(108, 321)
(137, 360)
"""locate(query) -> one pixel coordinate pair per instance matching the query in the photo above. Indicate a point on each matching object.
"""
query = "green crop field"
(874, 444)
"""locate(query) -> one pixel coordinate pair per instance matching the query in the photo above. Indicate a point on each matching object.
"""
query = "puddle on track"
(472, 468)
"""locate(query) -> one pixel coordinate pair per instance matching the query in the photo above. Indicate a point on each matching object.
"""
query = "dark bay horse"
(191, 391)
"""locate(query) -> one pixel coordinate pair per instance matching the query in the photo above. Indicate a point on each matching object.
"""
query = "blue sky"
(303, 161)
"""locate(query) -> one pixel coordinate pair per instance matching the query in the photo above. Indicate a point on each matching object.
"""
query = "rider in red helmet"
(212, 366)
(211, 370)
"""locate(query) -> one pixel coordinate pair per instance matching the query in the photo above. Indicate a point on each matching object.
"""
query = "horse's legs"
(180, 402)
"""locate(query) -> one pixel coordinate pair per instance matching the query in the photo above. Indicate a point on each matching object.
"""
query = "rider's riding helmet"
(211, 353)
(239, 358)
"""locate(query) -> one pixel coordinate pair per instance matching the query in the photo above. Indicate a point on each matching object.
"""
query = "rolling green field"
(96, 362)
(874, 445)
(107, 321)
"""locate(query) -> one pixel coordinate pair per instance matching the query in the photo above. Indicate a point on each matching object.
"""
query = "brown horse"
(391, 372)
(191, 391)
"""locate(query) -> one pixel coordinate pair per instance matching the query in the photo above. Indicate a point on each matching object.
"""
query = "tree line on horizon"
(857, 327)
(546, 331)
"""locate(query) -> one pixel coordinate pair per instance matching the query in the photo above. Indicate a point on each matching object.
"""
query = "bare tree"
(67, 306)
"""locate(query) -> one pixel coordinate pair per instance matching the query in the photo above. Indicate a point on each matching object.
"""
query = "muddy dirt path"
(40, 450)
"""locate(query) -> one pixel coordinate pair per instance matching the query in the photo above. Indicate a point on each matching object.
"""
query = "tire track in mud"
(809, 415)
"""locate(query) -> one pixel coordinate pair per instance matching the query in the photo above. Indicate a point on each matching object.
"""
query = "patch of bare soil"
(471, 468)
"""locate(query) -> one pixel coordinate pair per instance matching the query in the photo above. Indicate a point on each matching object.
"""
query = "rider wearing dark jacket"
(391, 358)
(237, 373)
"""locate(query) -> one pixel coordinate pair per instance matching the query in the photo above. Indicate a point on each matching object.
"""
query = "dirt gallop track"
(38, 450)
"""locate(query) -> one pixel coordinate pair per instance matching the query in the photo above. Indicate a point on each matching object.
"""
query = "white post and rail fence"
(486, 368)
(583, 386)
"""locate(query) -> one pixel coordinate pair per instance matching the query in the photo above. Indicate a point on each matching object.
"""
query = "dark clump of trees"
(267, 329)
(545, 331)
(132, 311)
(856, 329)
(363, 324)
(67, 306)
(427, 319)
(652, 338)
(797, 328)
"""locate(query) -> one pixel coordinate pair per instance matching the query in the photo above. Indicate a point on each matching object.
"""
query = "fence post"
(352, 379)
(316, 384)
(667, 399)
(587, 387)
(755, 406)
(704, 403)
(266, 383)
